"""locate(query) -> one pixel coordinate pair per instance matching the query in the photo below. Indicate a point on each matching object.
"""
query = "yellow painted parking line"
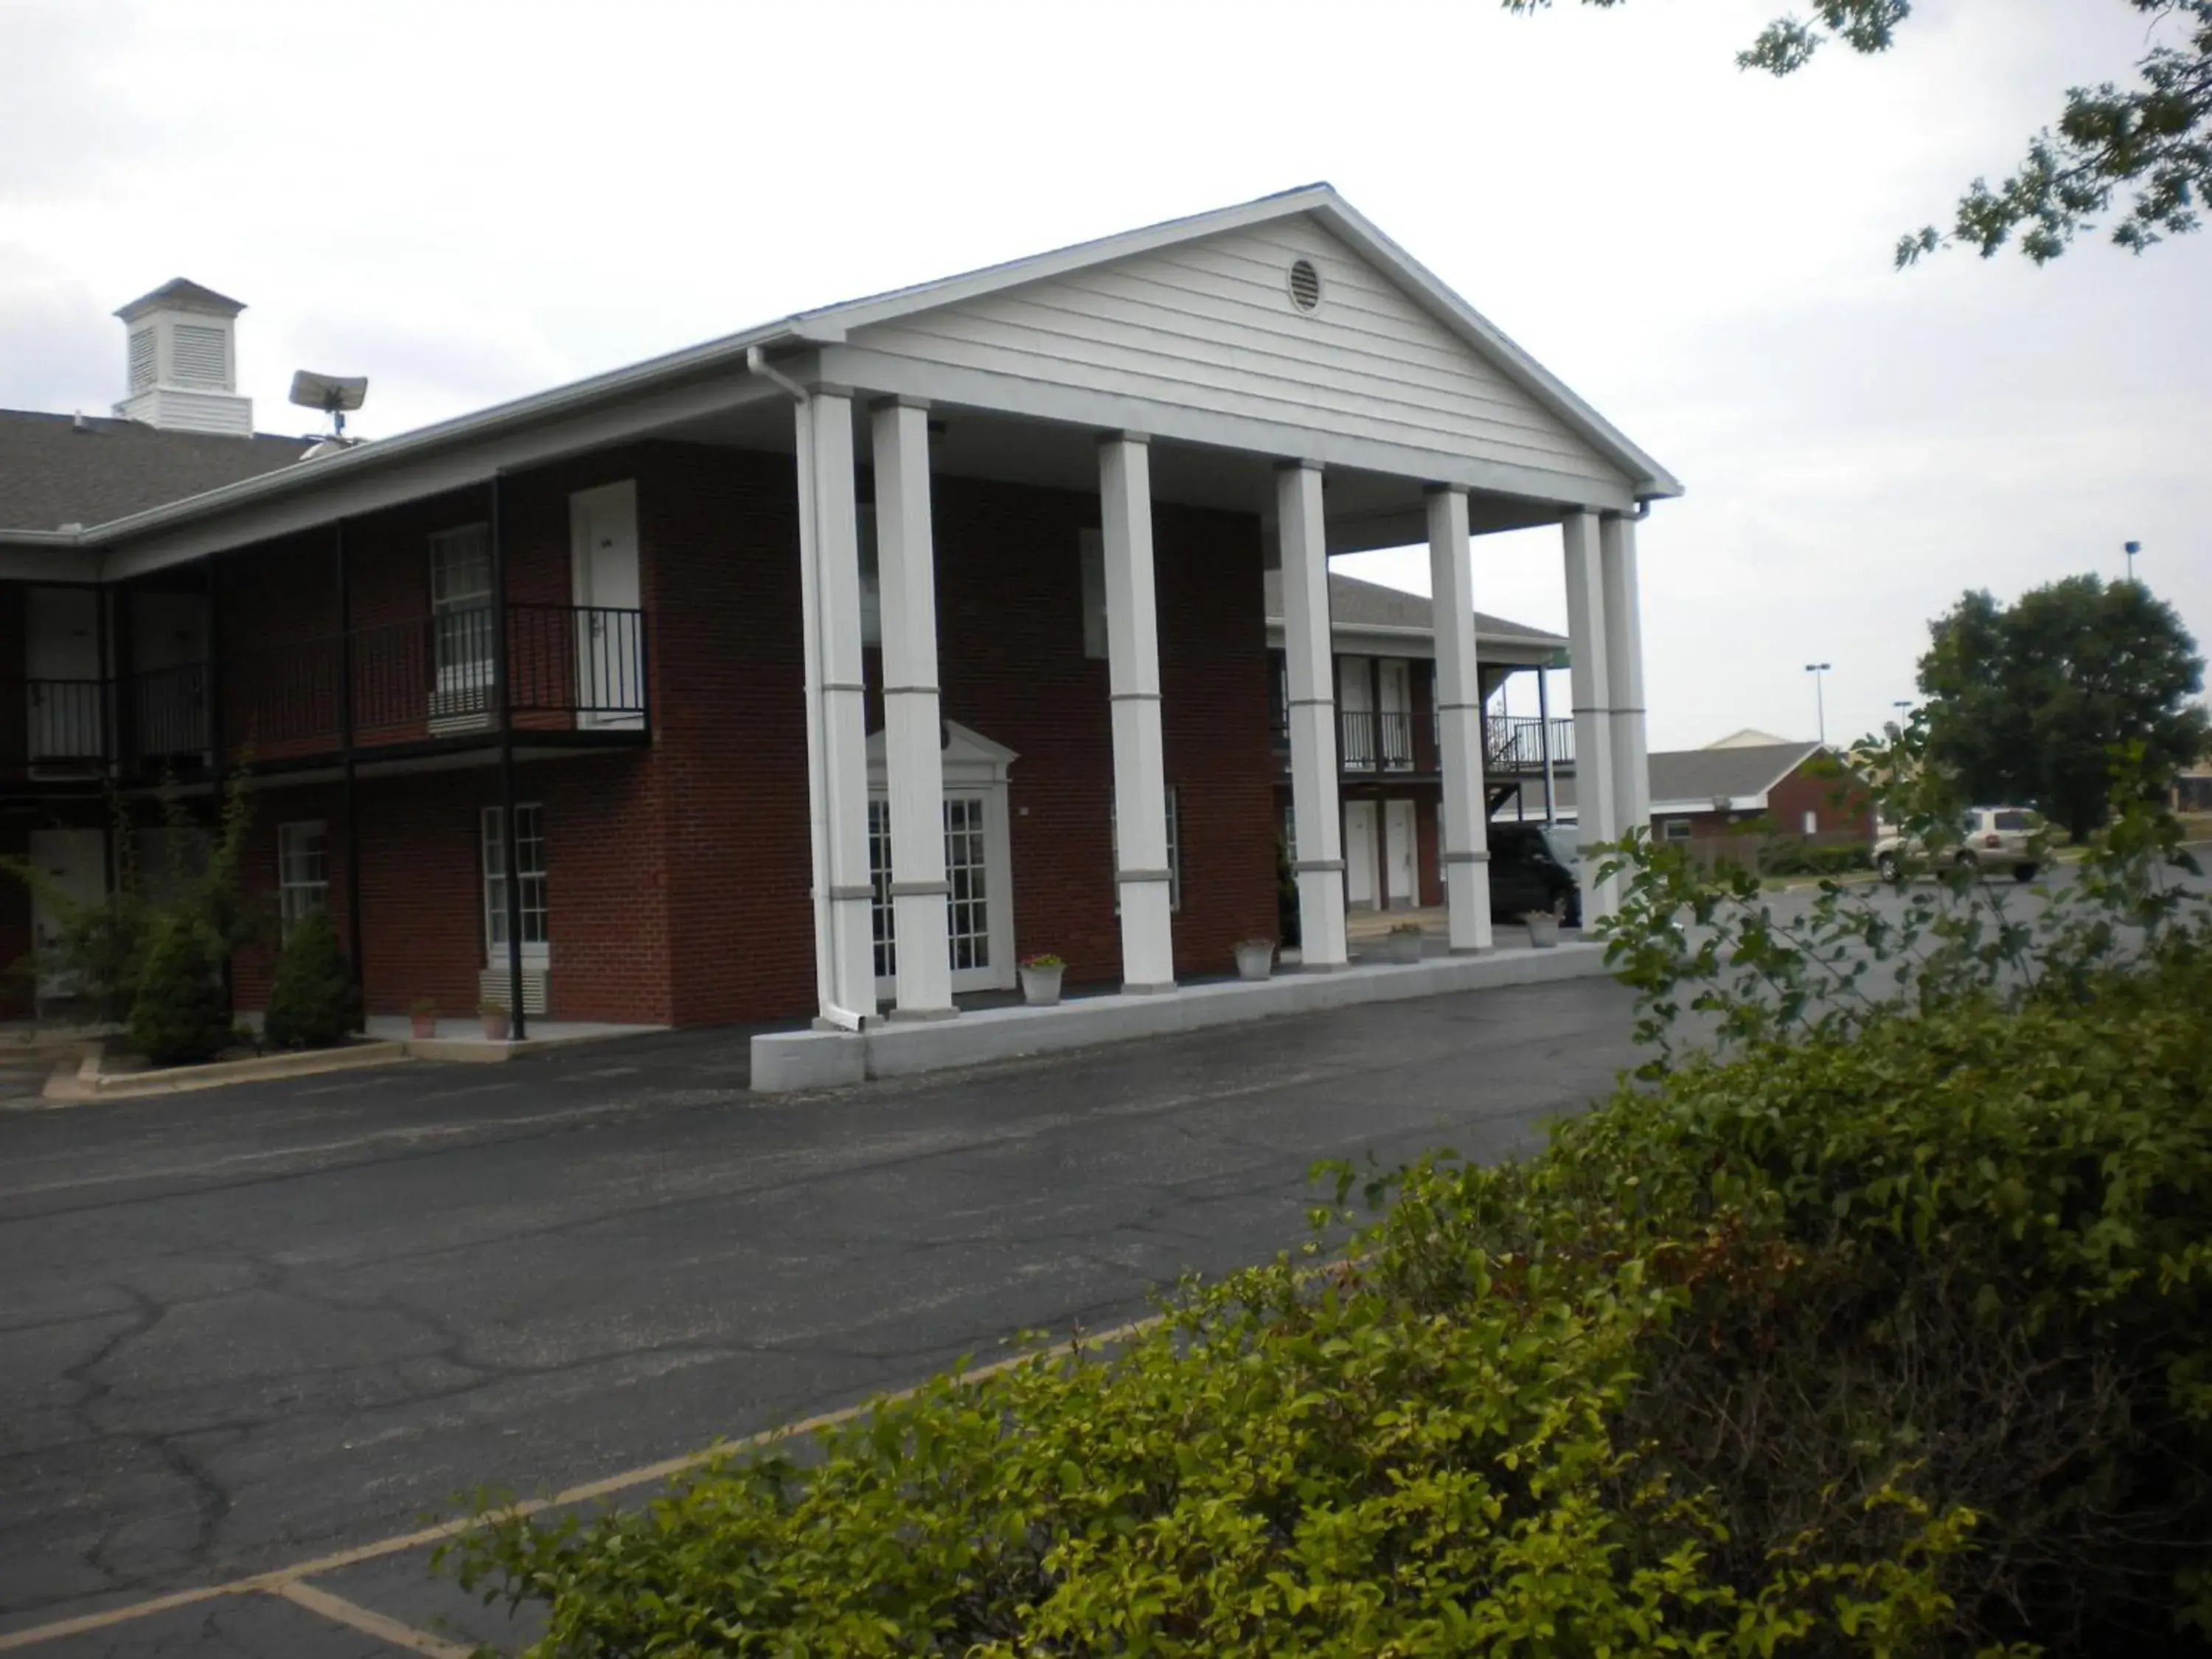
(290, 1581)
(353, 1616)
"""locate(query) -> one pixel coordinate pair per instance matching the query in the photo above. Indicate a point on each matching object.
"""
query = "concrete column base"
(1155, 990)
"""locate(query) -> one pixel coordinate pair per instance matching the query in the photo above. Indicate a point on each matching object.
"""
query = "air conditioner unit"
(492, 986)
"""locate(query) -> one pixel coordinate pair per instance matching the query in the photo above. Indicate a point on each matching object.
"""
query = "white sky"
(469, 202)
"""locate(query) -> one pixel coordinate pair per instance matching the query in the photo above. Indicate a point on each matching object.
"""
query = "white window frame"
(1676, 830)
(974, 767)
(461, 680)
(1093, 561)
(538, 952)
(302, 888)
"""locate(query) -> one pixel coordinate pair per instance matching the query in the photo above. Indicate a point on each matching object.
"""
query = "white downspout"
(825, 935)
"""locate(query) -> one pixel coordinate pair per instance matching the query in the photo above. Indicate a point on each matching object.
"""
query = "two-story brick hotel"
(828, 666)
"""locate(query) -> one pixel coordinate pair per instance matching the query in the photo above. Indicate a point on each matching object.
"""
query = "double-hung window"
(461, 621)
(530, 860)
(303, 881)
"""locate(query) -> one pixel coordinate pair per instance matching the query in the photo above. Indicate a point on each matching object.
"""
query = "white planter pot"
(1403, 947)
(1041, 986)
(1543, 931)
(1254, 961)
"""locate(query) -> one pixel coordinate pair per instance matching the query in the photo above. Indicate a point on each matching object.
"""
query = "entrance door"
(972, 900)
(75, 862)
(1359, 885)
(1396, 731)
(168, 687)
(610, 655)
(61, 661)
(1399, 840)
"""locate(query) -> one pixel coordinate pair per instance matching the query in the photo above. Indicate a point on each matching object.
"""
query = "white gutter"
(818, 760)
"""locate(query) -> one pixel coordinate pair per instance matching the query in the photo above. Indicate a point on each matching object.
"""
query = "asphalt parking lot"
(250, 1328)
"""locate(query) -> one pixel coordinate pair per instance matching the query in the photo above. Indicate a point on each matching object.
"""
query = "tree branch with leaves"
(2147, 147)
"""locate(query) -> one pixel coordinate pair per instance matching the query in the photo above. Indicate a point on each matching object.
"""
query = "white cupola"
(183, 360)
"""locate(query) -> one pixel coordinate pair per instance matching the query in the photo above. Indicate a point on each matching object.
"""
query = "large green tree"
(2027, 702)
(2150, 141)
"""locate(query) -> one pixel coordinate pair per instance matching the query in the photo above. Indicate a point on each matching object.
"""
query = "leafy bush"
(180, 1014)
(1892, 1341)
(1877, 1323)
(1798, 857)
(312, 1003)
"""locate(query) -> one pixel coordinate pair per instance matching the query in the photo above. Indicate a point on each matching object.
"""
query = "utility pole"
(1820, 699)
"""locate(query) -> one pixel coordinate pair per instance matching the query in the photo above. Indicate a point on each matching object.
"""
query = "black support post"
(351, 810)
(508, 840)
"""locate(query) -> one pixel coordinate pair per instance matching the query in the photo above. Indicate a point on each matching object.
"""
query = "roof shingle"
(54, 472)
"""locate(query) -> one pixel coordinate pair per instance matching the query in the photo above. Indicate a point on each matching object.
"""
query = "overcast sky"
(471, 202)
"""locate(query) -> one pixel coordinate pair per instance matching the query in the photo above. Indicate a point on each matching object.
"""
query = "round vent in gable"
(1305, 285)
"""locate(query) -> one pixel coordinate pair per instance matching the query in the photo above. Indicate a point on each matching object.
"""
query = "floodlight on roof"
(334, 394)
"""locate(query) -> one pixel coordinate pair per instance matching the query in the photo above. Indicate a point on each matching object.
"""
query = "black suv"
(1526, 875)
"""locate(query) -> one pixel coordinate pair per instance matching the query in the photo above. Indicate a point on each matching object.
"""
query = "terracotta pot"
(496, 1025)
(426, 1025)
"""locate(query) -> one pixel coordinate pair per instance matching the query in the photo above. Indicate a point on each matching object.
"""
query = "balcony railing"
(569, 667)
(1369, 744)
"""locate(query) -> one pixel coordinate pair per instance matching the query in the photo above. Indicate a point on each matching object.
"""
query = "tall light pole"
(1819, 701)
(2131, 549)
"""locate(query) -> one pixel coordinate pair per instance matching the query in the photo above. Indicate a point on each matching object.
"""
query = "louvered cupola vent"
(182, 360)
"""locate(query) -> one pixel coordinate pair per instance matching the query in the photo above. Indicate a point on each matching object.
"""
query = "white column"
(1309, 656)
(1466, 818)
(1624, 649)
(837, 758)
(1596, 816)
(914, 757)
(1132, 666)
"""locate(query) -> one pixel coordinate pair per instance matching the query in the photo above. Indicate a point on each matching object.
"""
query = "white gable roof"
(1135, 302)
(676, 376)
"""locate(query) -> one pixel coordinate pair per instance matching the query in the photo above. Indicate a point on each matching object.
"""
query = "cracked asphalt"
(248, 1326)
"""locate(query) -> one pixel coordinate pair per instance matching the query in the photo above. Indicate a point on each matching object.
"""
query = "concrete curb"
(85, 1081)
(783, 1061)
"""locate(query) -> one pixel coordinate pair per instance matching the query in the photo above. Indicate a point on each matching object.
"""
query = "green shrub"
(1888, 1341)
(179, 1015)
(312, 1003)
(1798, 857)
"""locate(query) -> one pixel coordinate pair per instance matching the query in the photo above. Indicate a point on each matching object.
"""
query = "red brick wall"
(680, 874)
(1840, 804)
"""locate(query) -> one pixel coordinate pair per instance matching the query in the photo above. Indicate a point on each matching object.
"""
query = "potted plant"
(495, 1021)
(1256, 958)
(1404, 944)
(1041, 979)
(423, 1014)
(1543, 929)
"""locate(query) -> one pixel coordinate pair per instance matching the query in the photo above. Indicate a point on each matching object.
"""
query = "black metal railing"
(1517, 744)
(1372, 741)
(438, 675)
(64, 722)
(164, 713)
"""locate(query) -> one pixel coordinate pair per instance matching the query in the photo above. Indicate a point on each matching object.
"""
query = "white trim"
(972, 766)
(885, 373)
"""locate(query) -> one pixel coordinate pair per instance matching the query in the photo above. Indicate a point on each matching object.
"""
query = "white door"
(1396, 724)
(1355, 703)
(610, 643)
(1360, 889)
(61, 660)
(168, 662)
(1399, 844)
(74, 863)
